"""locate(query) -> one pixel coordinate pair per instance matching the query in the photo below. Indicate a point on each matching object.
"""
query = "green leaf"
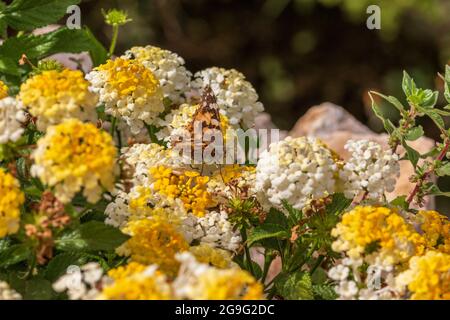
(408, 85)
(31, 14)
(266, 231)
(60, 41)
(275, 216)
(414, 133)
(412, 155)
(294, 286)
(401, 202)
(443, 170)
(338, 204)
(38, 289)
(14, 254)
(434, 190)
(294, 214)
(434, 115)
(9, 66)
(447, 84)
(59, 264)
(393, 100)
(91, 236)
(388, 125)
(324, 292)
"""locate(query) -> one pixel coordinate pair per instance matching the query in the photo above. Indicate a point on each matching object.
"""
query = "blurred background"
(297, 53)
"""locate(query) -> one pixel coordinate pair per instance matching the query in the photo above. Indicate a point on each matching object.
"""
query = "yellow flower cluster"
(428, 277)
(226, 284)
(3, 90)
(378, 230)
(145, 203)
(435, 229)
(216, 257)
(154, 241)
(136, 282)
(130, 78)
(189, 186)
(74, 155)
(11, 198)
(53, 96)
(129, 91)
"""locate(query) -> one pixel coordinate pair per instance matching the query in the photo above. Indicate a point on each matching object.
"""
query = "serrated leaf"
(295, 286)
(434, 190)
(447, 85)
(275, 216)
(443, 170)
(401, 202)
(31, 14)
(393, 100)
(324, 292)
(91, 236)
(408, 85)
(9, 66)
(266, 231)
(38, 289)
(388, 125)
(338, 204)
(59, 264)
(412, 155)
(14, 254)
(414, 133)
(295, 215)
(60, 41)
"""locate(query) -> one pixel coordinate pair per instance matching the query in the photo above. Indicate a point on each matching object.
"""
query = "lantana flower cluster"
(90, 175)
(378, 244)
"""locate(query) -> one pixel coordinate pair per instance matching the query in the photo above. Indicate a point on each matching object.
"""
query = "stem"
(419, 183)
(114, 40)
(247, 252)
(113, 127)
(268, 258)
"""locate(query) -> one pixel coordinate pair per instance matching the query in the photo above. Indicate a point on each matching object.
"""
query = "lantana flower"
(12, 117)
(129, 91)
(167, 67)
(54, 96)
(11, 199)
(236, 97)
(73, 156)
(295, 170)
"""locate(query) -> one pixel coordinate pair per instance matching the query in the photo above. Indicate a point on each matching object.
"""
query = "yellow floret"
(11, 198)
(3, 90)
(53, 96)
(74, 155)
(154, 241)
(189, 186)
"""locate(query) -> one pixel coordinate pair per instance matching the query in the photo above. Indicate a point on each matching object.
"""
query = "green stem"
(114, 40)
(113, 127)
(268, 258)
(248, 258)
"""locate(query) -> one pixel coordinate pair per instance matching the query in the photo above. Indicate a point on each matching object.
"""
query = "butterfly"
(204, 128)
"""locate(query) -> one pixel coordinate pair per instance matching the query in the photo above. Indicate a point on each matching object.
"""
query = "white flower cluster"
(168, 68)
(7, 293)
(213, 229)
(236, 97)
(377, 282)
(296, 170)
(370, 169)
(117, 212)
(11, 117)
(82, 283)
(141, 157)
(129, 92)
(175, 121)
